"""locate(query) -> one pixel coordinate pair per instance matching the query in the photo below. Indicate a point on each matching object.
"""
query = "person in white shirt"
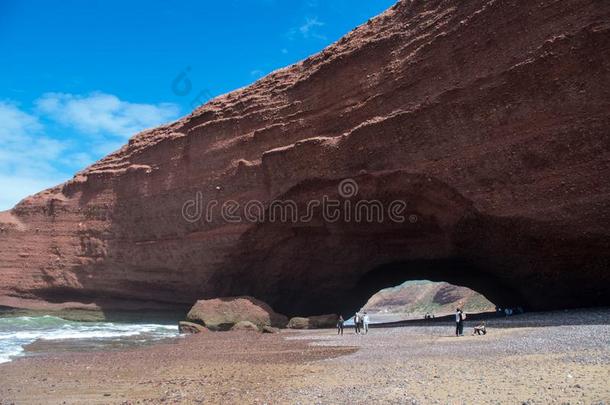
(365, 321)
(480, 329)
(357, 322)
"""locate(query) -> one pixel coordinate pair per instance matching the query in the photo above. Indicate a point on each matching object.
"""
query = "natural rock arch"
(454, 270)
(314, 267)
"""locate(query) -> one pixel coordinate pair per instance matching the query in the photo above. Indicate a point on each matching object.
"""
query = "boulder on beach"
(190, 327)
(245, 325)
(323, 321)
(270, 329)
(220, 314)
(298, 323)
(313, 322)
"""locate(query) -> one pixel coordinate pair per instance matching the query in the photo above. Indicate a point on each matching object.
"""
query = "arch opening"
(456, 272)
(424, 299)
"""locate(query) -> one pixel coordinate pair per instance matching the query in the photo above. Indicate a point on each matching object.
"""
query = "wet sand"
(565, 361)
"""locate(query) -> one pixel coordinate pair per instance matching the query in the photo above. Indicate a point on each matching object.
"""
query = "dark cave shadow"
(573, 317)
(456, 271)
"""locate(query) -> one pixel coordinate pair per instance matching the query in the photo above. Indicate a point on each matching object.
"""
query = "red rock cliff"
(490, 119)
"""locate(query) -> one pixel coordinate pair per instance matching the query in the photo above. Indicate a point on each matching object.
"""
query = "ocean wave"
(32, 321)
(17, 332)
(7, 353)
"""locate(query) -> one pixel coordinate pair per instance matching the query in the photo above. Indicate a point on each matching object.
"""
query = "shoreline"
(79, 314)
(416, 364)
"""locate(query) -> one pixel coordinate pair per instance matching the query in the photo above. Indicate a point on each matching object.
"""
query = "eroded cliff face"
(490, 119)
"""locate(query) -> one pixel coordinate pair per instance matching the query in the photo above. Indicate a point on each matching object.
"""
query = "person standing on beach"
(357, 323)
(459, 322)
(365, 322)
(462, 319)
(340, 325)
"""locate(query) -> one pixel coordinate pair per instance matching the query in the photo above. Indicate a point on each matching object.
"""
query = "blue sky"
(78, 78)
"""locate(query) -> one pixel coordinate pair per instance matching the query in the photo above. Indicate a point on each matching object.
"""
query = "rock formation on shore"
(417, 298)
(190, 328)
(489, 118)
(226, 312)
(313, 322)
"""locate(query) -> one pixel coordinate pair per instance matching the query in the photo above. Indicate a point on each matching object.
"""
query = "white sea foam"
(6, 353)
(17, 332)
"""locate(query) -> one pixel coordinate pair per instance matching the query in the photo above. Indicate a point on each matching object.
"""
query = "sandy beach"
(566, 360)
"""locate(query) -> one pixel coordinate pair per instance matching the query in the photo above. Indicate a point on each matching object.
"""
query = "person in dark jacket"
(459, 322)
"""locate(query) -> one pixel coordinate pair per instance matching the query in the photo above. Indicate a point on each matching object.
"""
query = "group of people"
(460, 316)
(510, 311)
(361, 323)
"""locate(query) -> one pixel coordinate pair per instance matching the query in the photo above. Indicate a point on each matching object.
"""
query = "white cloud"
(22, 136)
(15, 123)
(26, 156)
(309, 29)
(31, 160)
(257, 73)
(309, 26)
(105, 114)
